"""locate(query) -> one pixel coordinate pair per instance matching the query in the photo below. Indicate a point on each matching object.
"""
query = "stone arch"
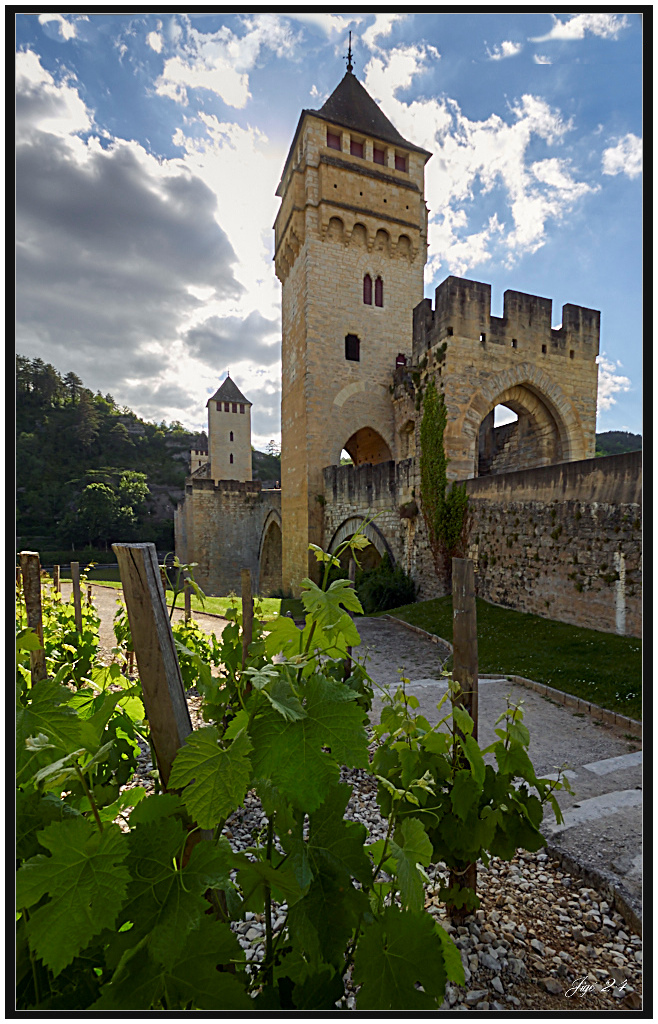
(549, 426)
(269, 556)
(407, 438)
(359, 236)
(403, 247)
(336, 230)
(366, 445)
(382, 241)
(374, 535)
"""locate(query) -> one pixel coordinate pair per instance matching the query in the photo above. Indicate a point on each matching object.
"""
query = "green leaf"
(451, 956)
(283, 638)
(155, 807)
(462, 719)
(324, 606)
(86, 881)
(27, 640)
(49, 715)
(290, 754)
(284, 700)
(411, 846)
(519, 732)
(165, 902)
(193, 980)
(323, 556)
(515, 761)
(216, 779)
(399, 950)
(465, 792)
(475, 759)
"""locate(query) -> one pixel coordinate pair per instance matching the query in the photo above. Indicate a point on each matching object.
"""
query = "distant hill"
(89, 471)
(615, 442)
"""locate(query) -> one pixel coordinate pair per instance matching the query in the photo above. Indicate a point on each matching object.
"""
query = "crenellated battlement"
(462, 310)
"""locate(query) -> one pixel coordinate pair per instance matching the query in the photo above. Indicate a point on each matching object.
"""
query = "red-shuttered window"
(367, 290)
(235, 406)
(379, 292)
(400, 163)
(333, 140)
(241, 407)
(379, 156)
(226, 407)
(356, 148)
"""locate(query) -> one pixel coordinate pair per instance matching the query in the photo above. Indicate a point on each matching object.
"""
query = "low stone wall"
(563, 541)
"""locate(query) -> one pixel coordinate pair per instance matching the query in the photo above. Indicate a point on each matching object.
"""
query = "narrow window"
(367, 290)
(513, 342)
(333, 140)
(356, 148)
(571, 354)
(400, 163)
(219, 406)
(230, 436)
(230, 458)
(225, 406)
(379, 292)
(543, 348)
(235, 406)
(352, 345)
(241, 407)
(379, 156)
(449, 332)
(483, 337)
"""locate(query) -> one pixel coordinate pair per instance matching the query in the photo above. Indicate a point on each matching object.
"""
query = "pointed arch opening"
(367, 446)
(518, 432)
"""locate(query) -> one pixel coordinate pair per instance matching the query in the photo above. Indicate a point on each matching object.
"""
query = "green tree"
(97, 512)
(133, 490)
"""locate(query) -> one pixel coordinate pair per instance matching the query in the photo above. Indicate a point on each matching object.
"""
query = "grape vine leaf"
(411, 846)
(86, 882)
(452, 957)
(216, 780)
(475, 759)
(398, 950)
(465, 792)
(191, 981)
(515, 761)
(290, 754)
(325, 605)
(49, 714)
(164, 901)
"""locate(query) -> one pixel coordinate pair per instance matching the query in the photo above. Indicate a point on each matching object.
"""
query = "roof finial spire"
(349, 55)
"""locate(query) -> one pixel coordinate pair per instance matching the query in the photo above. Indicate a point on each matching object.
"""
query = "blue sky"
(149, 148)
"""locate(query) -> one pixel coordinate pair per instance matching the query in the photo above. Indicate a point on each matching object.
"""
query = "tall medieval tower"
(229, 433)
(350, 248)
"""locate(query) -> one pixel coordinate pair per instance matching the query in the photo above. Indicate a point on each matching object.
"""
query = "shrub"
(385, 586)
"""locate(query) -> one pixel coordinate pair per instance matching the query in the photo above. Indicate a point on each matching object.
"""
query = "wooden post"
(157, 664)
(464, 636)
(56, 584)
(77, 597)
(31, 573)
(247, 614)
(89, 594)
(187, 595)
(465, 672)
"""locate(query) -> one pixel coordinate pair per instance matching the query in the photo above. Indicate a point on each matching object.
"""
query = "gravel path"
(542, 938)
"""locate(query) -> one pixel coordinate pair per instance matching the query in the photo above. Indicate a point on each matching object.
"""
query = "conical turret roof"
(229, 392)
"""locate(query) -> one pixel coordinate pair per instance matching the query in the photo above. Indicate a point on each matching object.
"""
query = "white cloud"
(220, 61)
(506, 49)
(624, 158)
(329, 23)
(540, 59)
(66, 28)
(154, 40)
(45, 104)
(382, 26)
(610, 383)
(606, 26)
(473, 158)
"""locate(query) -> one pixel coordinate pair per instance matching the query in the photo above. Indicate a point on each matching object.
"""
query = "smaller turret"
(229, 433)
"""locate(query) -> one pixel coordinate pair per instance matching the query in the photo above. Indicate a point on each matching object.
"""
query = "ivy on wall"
(445, 512)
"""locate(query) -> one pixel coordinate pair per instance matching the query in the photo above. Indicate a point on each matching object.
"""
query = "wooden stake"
(31, 573)
(465, 672)
(77, 597)
(347, 671)
(157, 664)
(247, 614)
(56, 584)
(89, 594)
(464, 636)
(187, 595)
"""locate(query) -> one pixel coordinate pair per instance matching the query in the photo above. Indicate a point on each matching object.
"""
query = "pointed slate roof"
(228, 392)
(350, 106)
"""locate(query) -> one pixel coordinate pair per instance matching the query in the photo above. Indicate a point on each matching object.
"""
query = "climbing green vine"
(445, 511)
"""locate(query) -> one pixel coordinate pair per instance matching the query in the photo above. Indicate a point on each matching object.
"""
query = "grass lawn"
(603, 668)
(267, 607)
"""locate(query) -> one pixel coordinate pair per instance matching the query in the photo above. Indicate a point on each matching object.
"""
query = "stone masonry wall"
(563, 542)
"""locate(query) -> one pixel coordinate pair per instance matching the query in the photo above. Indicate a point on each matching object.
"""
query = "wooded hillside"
(88, 470)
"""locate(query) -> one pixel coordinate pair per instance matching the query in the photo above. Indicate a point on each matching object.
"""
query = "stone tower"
(350, 248)
(229, 433)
